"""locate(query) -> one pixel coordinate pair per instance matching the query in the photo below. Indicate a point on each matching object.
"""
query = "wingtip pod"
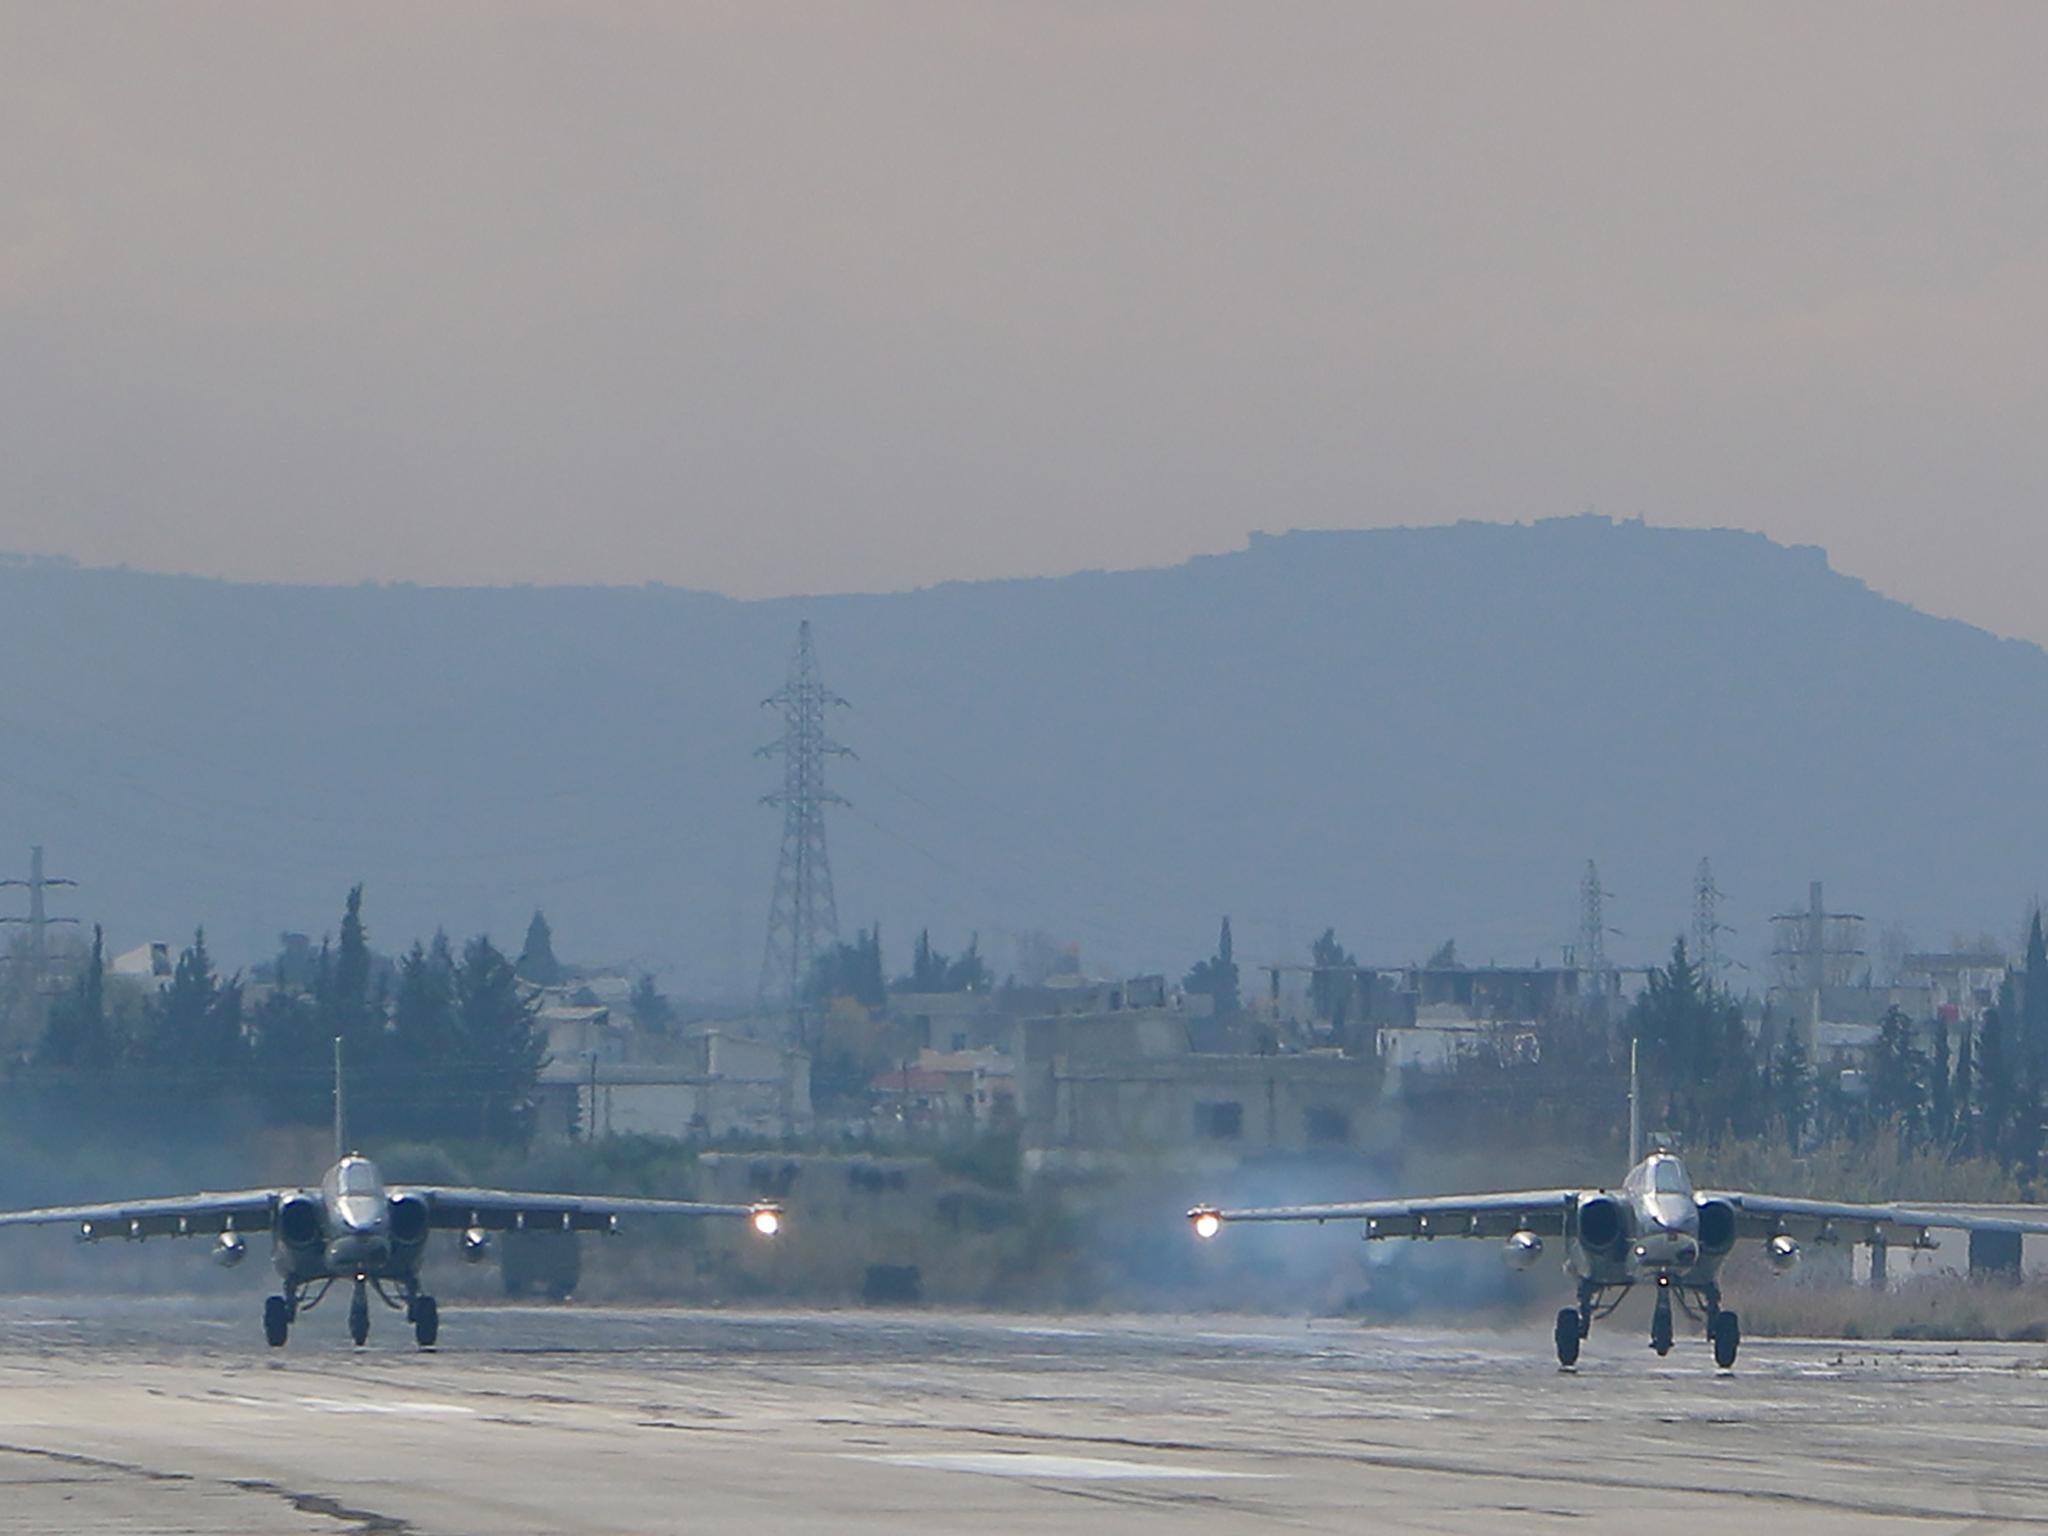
(1206, 1220)
(765, 1219)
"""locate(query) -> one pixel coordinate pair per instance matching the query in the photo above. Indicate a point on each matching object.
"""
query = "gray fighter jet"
(1655, 1230)
(354, 1228)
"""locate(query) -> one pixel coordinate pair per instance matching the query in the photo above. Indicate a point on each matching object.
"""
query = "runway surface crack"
(367, 1522)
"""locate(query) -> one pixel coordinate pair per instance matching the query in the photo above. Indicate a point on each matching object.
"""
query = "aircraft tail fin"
(1635, 1107)
(340, 1108)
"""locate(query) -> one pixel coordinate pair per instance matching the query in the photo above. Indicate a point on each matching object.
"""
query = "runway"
(171, 1416)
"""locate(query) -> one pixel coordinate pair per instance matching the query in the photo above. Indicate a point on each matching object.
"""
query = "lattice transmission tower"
(1707, 926)
(802, 917)
(1593, 931)
(38, 920)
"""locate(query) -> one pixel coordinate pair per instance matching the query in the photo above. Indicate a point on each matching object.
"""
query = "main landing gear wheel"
(1726, 1332)
(277, 1321)
(426, 1320)
(1660, 1324)
(1568, 1336)
(359, 1314)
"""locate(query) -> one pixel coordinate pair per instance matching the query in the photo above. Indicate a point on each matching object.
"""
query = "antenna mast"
(803, 916)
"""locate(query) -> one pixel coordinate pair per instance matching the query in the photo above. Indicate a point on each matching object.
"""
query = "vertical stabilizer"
(1635, 1106)
(341, 1117)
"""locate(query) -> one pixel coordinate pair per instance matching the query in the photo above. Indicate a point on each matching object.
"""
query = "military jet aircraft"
(1655, 1230)
(354, 1228)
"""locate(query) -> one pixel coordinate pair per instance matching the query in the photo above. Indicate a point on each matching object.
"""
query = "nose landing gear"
(359, 1314)
(1660, 1320)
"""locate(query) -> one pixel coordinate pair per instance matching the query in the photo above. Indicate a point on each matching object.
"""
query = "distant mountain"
(1408, 734)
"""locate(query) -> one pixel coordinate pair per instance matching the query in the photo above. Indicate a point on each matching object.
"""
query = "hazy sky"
(779, 298)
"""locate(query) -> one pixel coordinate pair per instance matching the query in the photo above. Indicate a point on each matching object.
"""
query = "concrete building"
(1959, 984)
(1130, 1083)
(152, 965)
(716, 1085)
(943, 1091)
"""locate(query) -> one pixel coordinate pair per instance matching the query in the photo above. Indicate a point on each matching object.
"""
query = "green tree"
(78, 1038)
(1792, 1089)
(1963, 1112)
(969, 973)
(196, 1024)
(1898, 1079)
(502, 1047)
(849, 970)
(1444, 957)
(1332, 980)
(1941, 1094)
(341, 991)
(1216, 977)
(927, 966)
(651, 1011)
(292, 1057)
(2030, 1052)
(1994, 1087)
(537, 962)
(1695, 1050)
(426, 1037)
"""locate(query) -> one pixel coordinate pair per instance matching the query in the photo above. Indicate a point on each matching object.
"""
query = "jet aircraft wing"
(1825, 1220)
(1541, 1211)
(244, 1210)
(518, 1210)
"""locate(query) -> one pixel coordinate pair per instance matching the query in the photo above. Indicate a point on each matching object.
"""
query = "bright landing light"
(767, 1222)
(1207, 1223)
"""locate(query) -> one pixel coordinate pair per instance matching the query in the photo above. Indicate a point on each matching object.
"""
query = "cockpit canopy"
(1664, 1174)
(357, 1176)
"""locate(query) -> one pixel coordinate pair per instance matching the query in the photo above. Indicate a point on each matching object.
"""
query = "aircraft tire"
(1568, 1336)
(426, 1321)
(1727, 1339)
(1660, 1331)
(277, 1321)
(359, 1317)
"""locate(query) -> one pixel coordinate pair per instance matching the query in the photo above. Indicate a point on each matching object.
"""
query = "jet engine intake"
(476, 1245)
(298, 1222)
(1522, 1249)
(1783, 1253)
(1717, 1227)
(1603, 1228)
(229, 1250)
(408, 1220)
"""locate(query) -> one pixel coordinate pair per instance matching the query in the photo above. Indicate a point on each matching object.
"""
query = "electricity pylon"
(802, 917)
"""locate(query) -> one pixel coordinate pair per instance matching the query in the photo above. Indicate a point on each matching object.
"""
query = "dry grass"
(1933, 1308)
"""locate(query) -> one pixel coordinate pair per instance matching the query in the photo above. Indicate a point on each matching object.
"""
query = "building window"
(959, 1039)
(1322, 1124)
(1219, 1122)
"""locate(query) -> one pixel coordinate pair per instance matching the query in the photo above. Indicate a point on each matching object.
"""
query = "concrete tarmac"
(171, 1416)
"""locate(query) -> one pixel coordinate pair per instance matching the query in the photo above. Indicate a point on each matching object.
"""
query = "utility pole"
(38, 920)
(803, 916)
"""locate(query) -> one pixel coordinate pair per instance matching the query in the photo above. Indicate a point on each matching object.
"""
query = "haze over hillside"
(1409, 734)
